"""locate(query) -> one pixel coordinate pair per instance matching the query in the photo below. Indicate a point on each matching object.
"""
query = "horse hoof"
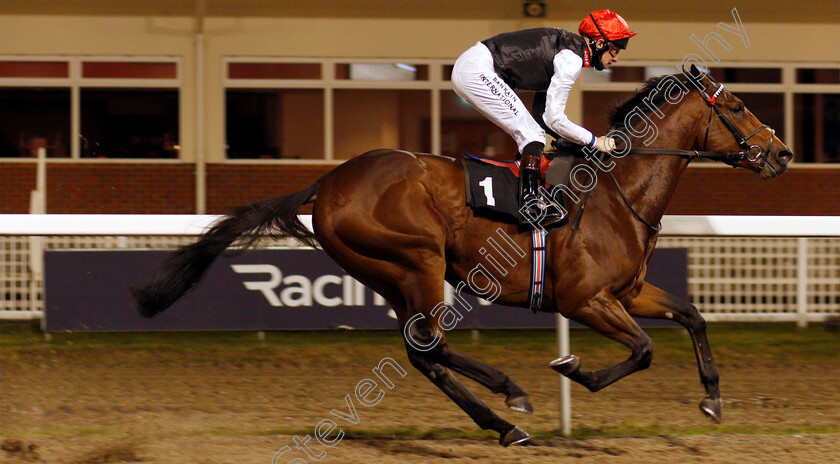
(711, 408)
(515, 436)
(566, 365)
(519, 403)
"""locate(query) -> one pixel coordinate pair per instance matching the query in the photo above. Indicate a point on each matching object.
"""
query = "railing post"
(802, 282)
(565, 385)
(37, 205)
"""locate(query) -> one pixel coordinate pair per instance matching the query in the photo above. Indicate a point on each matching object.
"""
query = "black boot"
(529, 185)
(534, 209)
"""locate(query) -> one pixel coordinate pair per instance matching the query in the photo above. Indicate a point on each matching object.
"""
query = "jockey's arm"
(567, 68)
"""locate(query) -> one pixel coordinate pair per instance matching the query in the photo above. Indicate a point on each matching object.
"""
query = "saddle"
(492, 186)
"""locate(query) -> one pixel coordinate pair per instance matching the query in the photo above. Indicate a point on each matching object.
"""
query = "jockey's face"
(610, 56)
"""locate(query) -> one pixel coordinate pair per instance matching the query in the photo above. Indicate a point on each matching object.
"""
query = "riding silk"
(521, 58)
(544, 59)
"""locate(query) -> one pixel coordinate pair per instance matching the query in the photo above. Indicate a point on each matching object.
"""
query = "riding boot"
(534, 207)
(529, 185)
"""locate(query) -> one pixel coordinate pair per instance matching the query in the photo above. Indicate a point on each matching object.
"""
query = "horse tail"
(274, 217)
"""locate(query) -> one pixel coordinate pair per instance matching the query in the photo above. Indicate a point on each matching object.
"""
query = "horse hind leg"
(429, 353)
(414, 295)
(431, 363)
(607, 316)
(402, 258)
(655, 303)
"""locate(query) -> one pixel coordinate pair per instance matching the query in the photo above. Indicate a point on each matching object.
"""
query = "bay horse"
(398, 222)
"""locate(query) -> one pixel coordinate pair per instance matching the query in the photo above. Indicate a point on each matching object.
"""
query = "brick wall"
(102, 188)
(169, 188)
(801, 191)
(16, 181)
(231, 185)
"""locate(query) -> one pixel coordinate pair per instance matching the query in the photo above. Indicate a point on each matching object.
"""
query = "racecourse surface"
(233, 398)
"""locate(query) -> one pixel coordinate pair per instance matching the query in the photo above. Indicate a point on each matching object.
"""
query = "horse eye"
(738, 109)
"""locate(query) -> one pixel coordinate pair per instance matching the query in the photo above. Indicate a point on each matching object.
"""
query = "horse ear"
(695, 72)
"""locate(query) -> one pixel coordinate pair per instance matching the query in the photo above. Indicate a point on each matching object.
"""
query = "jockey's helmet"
(607, 25)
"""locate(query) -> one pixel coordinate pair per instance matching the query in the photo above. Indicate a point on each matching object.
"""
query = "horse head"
(731, 127)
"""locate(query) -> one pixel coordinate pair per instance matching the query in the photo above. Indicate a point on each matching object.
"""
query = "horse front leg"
(605, 314)
(495, 380)
(655, 303)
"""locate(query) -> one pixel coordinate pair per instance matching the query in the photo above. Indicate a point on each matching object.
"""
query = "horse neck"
(650, 181)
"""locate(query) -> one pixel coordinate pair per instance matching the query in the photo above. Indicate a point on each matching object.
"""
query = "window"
(118, 107)
(382, 72)
(289, 109)
(616, 74)
(818, 76)
(747, 75)
(34, 69)
(274, 70)
(817, 125)
(597, 108)
(129, 123)
(33, 118)
(334, 109)
(380, 118)
(275, 123)
(809, 125)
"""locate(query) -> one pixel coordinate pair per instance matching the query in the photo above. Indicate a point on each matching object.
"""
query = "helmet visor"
(621, 43)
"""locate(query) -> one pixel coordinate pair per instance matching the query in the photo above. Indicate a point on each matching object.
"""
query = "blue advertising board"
(292, 289)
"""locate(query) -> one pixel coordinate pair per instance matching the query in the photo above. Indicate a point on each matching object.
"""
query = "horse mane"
(621, 110)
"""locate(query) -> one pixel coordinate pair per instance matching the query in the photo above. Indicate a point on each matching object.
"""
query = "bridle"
(746, 152)
(751, 153)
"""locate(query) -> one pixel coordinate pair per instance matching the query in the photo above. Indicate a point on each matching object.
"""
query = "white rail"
(184, 224)
(741, 268)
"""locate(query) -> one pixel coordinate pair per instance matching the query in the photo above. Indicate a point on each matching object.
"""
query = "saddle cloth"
(493, 189)
(493, 186)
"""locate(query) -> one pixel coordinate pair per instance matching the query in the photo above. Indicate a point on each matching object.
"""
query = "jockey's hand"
(605, 144)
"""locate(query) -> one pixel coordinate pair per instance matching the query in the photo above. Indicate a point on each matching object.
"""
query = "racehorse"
(398, 222)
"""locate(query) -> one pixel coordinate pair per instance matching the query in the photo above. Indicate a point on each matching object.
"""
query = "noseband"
(751, 153)
(747, 152)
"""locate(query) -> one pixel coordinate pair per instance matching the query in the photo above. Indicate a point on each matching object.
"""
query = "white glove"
(605, 144)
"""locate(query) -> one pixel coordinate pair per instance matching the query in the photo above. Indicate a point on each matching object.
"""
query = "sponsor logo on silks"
(298, 290)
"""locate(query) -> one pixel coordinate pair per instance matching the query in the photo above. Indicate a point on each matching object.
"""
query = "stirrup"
(531, 205)
(553, 215)
(538, 206)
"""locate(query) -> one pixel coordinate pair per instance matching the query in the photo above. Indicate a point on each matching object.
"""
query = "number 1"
(487, 183)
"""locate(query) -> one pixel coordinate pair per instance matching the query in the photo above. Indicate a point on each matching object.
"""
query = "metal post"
(565, 385)
(436, 113)
(37, 205)
(802, 282)
(200, 120)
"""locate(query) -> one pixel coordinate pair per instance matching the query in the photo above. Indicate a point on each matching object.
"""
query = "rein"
(747, 152)
(732, 157)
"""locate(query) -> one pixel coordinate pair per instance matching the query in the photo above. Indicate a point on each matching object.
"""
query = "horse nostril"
(784, 157)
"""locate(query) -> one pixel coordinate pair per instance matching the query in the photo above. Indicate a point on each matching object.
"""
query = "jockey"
(543, 60)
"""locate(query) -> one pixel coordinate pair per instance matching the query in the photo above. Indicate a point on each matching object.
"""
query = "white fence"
(739, 268)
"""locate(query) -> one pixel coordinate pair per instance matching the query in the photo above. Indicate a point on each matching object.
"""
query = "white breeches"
(475, 80)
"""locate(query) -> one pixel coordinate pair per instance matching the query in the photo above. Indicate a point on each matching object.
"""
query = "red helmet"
(608, 25)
